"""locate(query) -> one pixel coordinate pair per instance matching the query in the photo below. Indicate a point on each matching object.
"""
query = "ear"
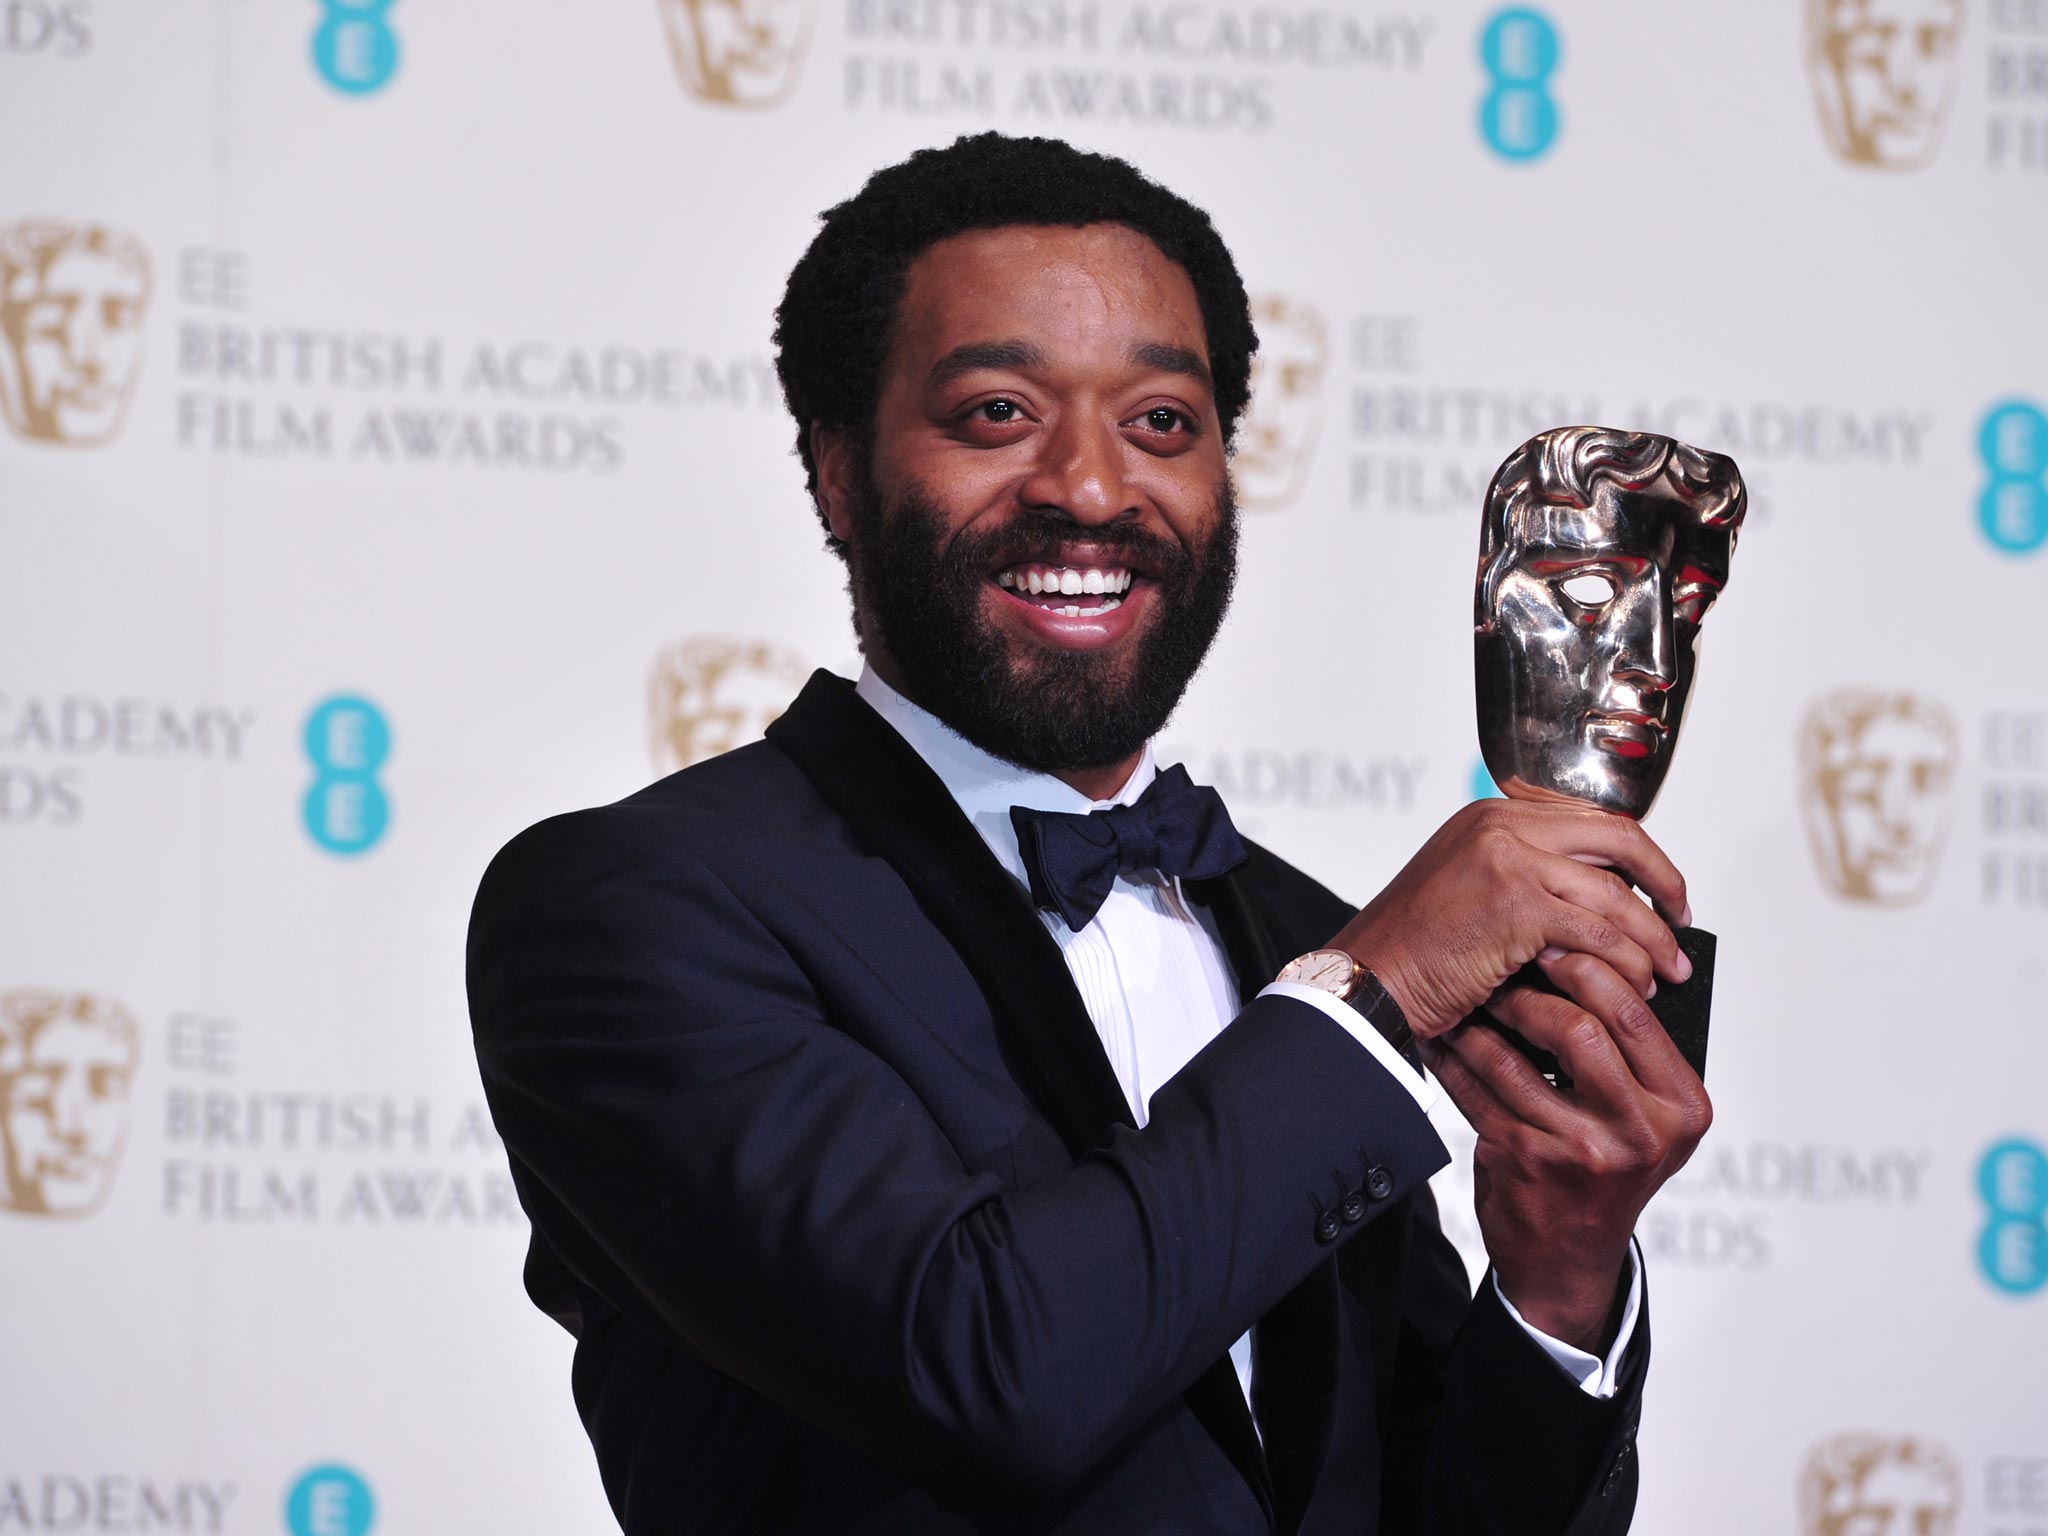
(833, 454)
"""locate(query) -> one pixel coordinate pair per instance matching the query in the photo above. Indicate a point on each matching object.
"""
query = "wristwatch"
(1341, 976)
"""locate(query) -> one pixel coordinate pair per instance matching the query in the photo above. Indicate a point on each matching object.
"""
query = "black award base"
(1681, 1007)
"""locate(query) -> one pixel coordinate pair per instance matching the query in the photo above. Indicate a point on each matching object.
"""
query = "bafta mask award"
(1600, 554)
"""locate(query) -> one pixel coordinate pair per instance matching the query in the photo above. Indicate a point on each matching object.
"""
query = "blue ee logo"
(354, 48)
(1518, 50)
(1482, 785)
(329, 1500)
(2013, 511)
(2013, 1182)
(345, 808)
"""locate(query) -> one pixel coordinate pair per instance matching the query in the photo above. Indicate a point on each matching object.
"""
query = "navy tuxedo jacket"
(832, 1182)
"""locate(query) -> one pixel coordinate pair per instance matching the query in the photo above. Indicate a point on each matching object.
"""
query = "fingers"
(1607, 896)
(1481, 1107)
(1578, 1028)
(1611, 840)
(1631, 1029)
(1509, 1078)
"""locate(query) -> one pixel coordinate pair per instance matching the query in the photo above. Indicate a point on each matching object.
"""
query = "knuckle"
(1696, 1116)
(1642, 1149)
(1635, 1017)
(1496, 845)
(1584, 1034)
(1599, 934)
(1592, 1157)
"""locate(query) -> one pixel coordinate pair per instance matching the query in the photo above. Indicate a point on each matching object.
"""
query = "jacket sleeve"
(1487, 1436)
(705, 1150)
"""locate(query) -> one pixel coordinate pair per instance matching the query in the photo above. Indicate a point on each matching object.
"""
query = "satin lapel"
(899, 807)
(1294, 1346)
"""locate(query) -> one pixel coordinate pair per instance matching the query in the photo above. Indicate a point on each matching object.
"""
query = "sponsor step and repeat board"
(392, 456)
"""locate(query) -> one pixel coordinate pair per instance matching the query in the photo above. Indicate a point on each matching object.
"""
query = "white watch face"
(1330, 969)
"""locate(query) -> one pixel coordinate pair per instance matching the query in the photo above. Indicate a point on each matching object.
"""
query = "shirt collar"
(984, 785)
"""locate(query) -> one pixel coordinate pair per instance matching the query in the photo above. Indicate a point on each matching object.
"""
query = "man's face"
(739, 52)
(1588, 657)
(1278, 433)
(1883, 71)
(1045, 420)
(74, 339)
(1878, 773)
(64, 1113)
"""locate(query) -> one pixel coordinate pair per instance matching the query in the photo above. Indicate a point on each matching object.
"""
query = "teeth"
(1065, 581)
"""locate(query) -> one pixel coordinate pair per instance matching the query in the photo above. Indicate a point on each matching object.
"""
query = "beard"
(920, 594)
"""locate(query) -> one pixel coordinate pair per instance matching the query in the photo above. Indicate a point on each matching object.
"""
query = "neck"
(1100, 783)
(1096, 783)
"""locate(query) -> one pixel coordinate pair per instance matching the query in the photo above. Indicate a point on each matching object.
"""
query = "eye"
(1690, 604)
(1167, 421)
(1589, 589)
(998, 411)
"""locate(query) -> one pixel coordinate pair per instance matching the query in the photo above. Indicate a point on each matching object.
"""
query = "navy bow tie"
(1176, 827)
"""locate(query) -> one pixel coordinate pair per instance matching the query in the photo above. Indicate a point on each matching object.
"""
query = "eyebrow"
(1170, 359)
(973, 356)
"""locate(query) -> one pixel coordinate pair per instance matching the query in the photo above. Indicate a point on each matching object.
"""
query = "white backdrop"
(392, 457)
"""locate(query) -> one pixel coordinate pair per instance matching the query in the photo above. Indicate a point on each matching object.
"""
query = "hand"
(1560, 1175)
(1502, 882)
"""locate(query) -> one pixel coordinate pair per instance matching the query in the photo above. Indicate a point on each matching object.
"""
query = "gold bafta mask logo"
(1883, 72)
(711, 693)
(67, 1061)
(1867, 1485)
(737, 53)
(1876, 770)
(1277, 436)
(72, 302)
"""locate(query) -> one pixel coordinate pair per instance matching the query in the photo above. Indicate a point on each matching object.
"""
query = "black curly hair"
(832, 327)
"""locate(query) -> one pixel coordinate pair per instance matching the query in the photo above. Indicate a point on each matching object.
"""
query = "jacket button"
(1352, 1208)
(1379, 1183)
(1327, 1227)
(1614, 1472)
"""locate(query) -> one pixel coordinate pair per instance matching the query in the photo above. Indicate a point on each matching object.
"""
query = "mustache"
(1047, 535)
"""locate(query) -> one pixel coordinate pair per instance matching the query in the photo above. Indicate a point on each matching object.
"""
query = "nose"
(67, 1110)
(1080, 472)
(1642, 641)
(86, 339)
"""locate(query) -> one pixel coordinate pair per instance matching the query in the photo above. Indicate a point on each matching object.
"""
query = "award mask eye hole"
(1588, 589)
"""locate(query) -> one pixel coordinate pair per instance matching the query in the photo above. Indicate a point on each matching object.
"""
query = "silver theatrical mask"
(1600, 553)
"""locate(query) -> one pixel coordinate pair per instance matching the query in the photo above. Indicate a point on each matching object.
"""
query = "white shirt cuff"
(1594, 1376)
(1421, 1088)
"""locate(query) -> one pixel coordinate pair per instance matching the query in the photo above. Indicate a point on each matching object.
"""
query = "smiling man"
(935, 1118)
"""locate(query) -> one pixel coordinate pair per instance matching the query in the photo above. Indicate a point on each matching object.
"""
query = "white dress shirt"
(1151, 969)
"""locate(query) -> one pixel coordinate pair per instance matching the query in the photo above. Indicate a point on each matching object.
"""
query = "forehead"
(1064, 288)
(1291, 328)
(1652, 522)
(1896, 735)
(75, 1041)
(79, 270)
(1866, 13)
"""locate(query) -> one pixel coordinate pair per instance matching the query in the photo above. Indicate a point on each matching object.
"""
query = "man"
(902, 1165)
